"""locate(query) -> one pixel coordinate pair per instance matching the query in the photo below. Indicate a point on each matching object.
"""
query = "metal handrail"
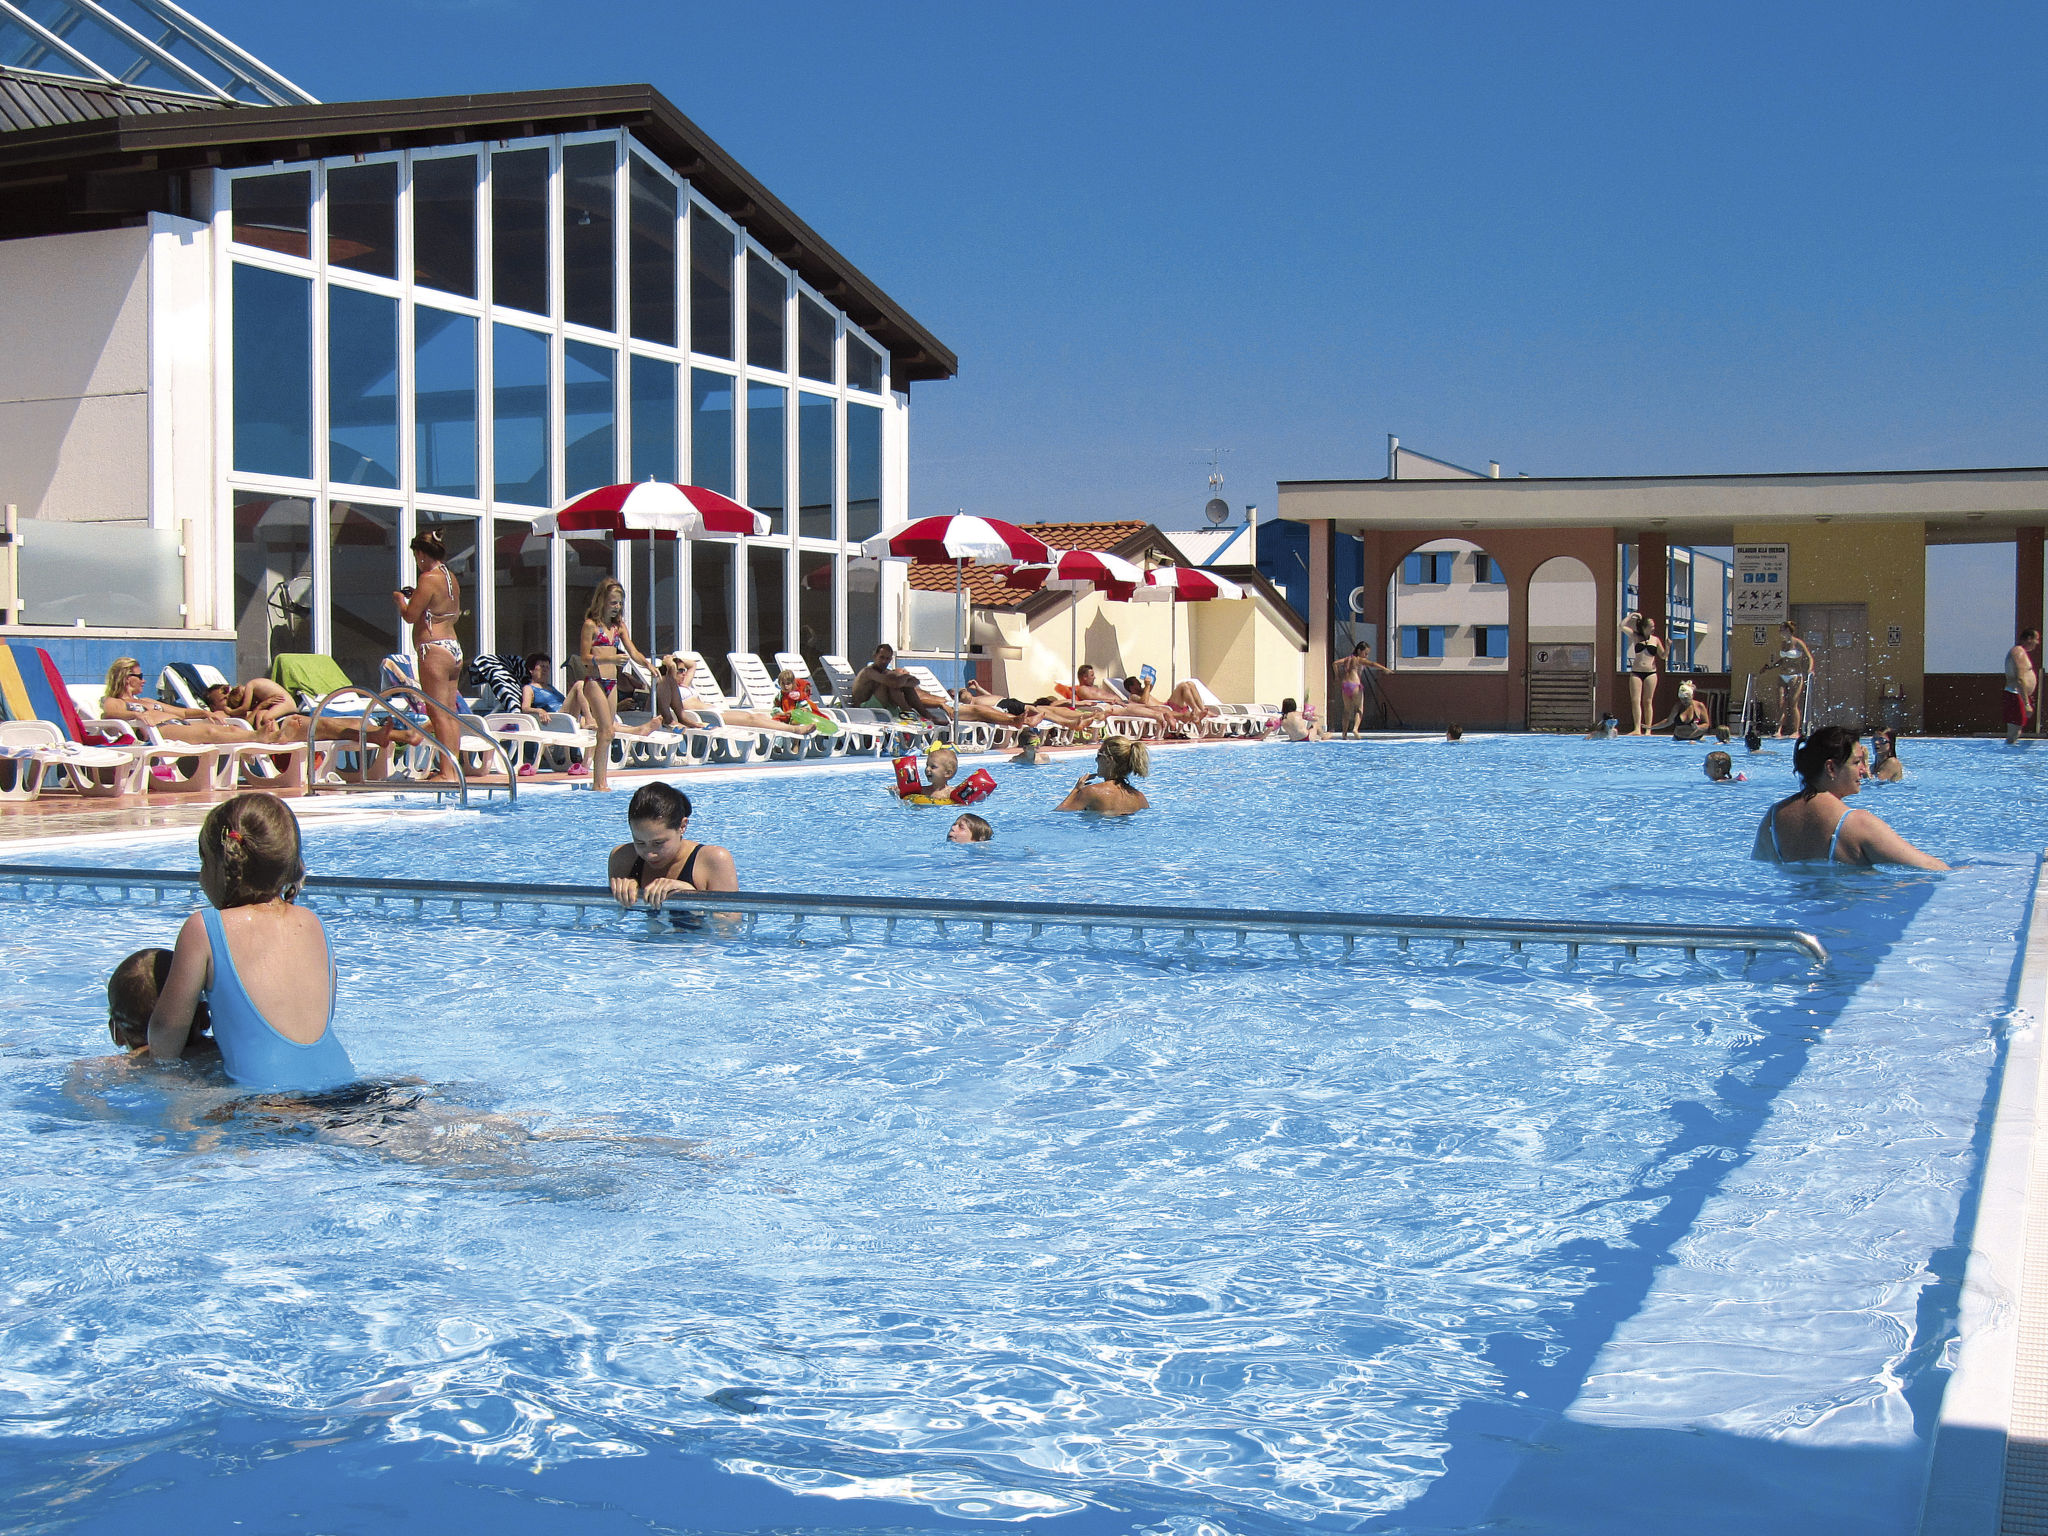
(398, 714)
(1515, 932)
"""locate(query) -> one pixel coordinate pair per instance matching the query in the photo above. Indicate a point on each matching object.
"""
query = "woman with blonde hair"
(1116, 761)
(431, 607)
(123, 700)
(604, 641)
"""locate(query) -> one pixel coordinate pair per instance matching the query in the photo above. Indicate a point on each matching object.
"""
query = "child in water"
(261, 964)
(1028, 754)
(970, 828)
(132, 992)
(1720, 769)
(941, 763)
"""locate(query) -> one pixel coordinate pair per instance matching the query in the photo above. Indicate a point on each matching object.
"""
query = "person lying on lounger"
(123, 700)
(1089, 690)
(1184, 706)
(259, 701)
(240, 703)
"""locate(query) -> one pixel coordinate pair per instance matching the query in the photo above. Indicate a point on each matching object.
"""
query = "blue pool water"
(701, 1234)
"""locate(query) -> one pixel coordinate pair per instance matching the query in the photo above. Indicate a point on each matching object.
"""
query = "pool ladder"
(742, 912)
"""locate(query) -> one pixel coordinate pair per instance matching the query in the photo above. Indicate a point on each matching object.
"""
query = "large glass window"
(711, 633)
(588, 291)
(362, 388)
(444, 224)
(654, 420)
(519, 415)
(273, 581)
(817, 451)
(273, 330)
(590, 404)
(711, 430)
(362, 571)
(653, 253)
(863, 366)
(814, 627)
(814, 330)
(767, 304)
(274, 213)
(459, 532)
(710, 286)
(657, 566)
(519, 229)
(520, 580)
(362, 218)
(863, 472)
(767, 472)
(863, 608)
(444, 402)
(586, 562)
(767, 602)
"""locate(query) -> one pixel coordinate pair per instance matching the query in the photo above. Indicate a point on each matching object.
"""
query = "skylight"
(148, 43)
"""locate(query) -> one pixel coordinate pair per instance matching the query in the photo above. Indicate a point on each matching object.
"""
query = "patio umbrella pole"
(959, 639)
(1074, 650)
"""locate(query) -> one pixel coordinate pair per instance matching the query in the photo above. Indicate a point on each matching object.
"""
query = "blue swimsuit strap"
(1847, 812)
(1777, 854)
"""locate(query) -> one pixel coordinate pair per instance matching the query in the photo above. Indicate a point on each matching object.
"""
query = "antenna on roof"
(1217, 510)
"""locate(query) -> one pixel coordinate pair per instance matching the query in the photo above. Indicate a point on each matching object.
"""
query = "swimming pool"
(728, 1235)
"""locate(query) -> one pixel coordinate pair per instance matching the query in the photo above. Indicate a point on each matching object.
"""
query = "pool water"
(702, 1233)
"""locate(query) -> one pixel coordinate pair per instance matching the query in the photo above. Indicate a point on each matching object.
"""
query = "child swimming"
(970, 828)
(132, 992)
(260, 963)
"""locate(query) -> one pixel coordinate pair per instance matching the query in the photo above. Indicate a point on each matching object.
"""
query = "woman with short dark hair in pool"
(662, 859)
(1116, 761)
(1817, 825)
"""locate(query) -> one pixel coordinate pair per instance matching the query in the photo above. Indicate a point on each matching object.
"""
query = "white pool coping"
(1996, 1400)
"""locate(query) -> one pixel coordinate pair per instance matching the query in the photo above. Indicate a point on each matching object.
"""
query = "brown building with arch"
(1849, 548)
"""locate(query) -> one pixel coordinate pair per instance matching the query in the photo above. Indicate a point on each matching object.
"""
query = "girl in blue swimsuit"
(260, 963)
(1815, 825)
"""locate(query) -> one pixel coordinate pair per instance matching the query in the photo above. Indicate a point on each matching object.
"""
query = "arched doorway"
(1447, 610)
(1564, 606)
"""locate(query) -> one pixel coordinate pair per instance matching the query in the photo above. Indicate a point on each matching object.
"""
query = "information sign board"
(1763, 583)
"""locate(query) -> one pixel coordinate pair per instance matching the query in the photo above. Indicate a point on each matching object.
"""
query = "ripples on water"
(1004, 1231)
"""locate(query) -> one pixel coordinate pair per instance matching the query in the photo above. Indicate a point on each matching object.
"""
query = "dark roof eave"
(238, 135)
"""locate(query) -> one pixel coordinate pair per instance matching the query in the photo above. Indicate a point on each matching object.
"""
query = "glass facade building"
(465, 336)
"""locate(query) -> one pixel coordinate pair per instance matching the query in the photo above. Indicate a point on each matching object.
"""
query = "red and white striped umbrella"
(959, 539)
(1080, 570)
(654, 509)
(1185, 584)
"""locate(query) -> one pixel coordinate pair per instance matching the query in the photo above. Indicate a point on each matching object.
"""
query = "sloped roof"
(985, 585)
(32, 99)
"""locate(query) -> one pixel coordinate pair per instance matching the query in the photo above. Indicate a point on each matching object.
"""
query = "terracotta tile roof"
(985, 585)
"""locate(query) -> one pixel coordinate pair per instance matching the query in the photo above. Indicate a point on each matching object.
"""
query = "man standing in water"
(2020, 682)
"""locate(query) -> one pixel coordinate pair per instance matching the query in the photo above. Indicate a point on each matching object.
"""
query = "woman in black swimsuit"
(662, 859)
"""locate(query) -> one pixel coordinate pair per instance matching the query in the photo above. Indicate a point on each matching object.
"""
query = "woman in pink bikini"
(604, 640)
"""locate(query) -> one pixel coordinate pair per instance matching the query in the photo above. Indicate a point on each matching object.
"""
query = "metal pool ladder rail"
(465, 898)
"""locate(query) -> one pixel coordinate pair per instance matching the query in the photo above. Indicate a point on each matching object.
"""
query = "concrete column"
(2026, 593)
(1321, 547)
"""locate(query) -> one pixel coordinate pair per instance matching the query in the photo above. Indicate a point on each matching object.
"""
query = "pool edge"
(2002, 1321)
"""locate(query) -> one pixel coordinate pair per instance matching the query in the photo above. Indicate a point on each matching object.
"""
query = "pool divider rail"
(475, 897)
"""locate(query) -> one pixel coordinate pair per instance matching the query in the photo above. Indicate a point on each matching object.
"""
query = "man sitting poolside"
(896, 690)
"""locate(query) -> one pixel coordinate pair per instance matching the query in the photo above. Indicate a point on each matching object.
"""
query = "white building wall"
(74, 376)
(181, 396)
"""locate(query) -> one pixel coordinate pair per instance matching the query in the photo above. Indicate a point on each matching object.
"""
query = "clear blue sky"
(1580, 239)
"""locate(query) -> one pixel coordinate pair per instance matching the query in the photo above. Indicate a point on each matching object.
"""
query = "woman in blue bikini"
(1817, 825)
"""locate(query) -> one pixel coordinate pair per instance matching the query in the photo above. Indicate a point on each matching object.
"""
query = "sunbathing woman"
(1116, 760)
(1184, 708)
(1817, 826)
(678, 693)
(662, 858)
(123, 700)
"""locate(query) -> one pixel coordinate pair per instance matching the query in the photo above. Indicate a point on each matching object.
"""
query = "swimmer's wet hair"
(249, 852)
(1028, 737)
(1719, 765)
(1810, 759)
(1126, 757)
(978, 830)
(659, 802)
